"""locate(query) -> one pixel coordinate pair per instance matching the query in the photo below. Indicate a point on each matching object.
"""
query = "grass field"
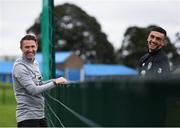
(7, 115)
(7, 106)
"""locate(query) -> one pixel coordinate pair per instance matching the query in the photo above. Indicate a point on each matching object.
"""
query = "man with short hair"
(28, 86)
(155, 62)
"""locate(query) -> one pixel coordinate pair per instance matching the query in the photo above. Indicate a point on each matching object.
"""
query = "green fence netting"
(115, 103)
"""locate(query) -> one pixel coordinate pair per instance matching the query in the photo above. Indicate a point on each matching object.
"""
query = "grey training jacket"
(28, 88)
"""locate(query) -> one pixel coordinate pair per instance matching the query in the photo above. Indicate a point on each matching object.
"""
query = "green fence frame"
(47, 37)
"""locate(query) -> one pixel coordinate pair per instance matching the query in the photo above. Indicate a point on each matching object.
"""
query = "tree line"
(76, 31)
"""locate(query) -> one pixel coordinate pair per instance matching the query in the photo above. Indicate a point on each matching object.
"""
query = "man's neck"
(28, 60)
(154, 51)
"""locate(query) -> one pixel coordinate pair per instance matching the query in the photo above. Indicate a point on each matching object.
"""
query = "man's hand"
(60, 80)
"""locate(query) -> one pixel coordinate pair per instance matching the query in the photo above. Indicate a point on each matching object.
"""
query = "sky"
(114, 16)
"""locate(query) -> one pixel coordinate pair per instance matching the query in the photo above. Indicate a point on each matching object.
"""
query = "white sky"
(115, 16)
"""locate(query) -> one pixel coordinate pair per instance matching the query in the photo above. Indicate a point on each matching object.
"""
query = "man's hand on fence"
(60, 80)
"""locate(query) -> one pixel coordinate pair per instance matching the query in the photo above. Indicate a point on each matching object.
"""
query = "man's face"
(155, 41)
(29, 49)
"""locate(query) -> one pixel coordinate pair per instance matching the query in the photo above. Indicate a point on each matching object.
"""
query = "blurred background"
(104, 37)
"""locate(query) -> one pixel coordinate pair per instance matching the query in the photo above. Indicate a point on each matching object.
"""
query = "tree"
(177, 42)
(76, 31)
(134, 46)
(177, 45)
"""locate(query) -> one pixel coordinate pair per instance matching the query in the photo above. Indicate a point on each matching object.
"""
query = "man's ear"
(147, 39)
(37, 46)
(164, 42)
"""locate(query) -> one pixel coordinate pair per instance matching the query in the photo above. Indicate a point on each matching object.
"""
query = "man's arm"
(30, 83)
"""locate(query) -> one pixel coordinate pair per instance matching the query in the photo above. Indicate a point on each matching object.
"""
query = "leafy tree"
(134, 46)
(77, 31)
(177, 42)
(177, 45)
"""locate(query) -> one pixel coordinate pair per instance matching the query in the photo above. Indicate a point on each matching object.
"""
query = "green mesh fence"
(106, 103)
(115, 103)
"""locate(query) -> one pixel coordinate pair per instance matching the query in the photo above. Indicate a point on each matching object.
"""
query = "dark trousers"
(33, 123)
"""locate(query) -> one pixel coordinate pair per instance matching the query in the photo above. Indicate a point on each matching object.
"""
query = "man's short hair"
(28, 37)
(159, 29)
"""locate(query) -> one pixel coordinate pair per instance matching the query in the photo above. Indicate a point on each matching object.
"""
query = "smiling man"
(155, 62)
(28, 86)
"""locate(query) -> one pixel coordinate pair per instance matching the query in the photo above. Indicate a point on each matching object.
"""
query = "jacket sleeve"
(29, 82)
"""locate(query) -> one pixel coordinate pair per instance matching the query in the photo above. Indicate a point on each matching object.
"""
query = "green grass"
(8, 115)
(6, 95)
(7, 106)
